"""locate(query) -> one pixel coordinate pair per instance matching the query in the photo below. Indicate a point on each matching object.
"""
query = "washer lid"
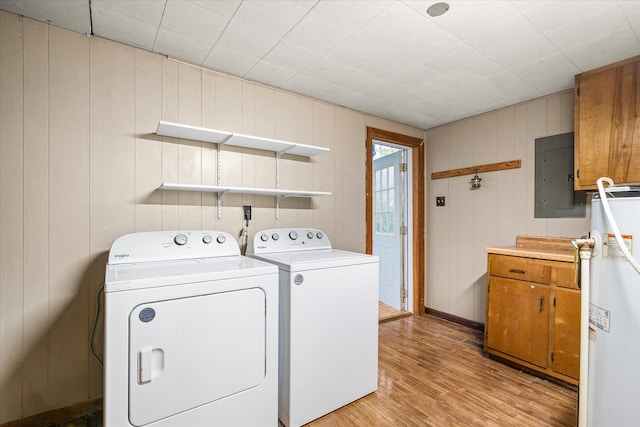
(316, 259)
(164, 273)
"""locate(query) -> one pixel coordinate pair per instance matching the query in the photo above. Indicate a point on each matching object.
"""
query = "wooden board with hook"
(491, 167)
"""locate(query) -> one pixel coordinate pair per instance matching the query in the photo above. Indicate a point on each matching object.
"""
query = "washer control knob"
(310, 235)
(319, 235)
(264, 237)
(180, 239)
(275, 236)
(293, 235)
(206, 239)
(221, 239)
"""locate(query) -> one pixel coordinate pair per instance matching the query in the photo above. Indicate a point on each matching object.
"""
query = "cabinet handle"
(541, 302)
(513, 270)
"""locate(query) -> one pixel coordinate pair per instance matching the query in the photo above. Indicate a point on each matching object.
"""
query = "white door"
(387, 223)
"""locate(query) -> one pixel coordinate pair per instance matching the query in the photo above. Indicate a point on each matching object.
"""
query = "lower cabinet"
(533, 315)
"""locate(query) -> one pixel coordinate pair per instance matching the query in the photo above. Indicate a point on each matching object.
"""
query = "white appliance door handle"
(144, 365)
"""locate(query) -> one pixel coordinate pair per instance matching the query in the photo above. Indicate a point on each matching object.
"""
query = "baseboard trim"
(455, 319)
(60, 415)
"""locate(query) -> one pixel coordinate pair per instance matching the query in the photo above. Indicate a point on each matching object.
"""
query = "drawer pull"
(513, 270)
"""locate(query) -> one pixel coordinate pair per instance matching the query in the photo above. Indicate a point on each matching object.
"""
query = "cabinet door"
(566, 336)
(607, 132)
(518, 319)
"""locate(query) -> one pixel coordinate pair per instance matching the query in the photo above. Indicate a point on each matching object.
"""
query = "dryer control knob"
(264, 237)
(221, 239)
(310, 235)
(206, 239)
(275, 236)
(180, 239)
(319, 235)
(293, 235)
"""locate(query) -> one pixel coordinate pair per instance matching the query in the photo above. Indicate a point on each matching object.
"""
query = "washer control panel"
(172, 245)
(289, 239)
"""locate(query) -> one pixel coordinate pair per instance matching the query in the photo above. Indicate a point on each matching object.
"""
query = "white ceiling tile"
(149, 11)
(276, 18)
(223, 7)
(472, 19)
(389, 27)
(181, 46)
(317, 34)
(549, 74)
(355, 51)
(70, 14)
(631, 10)
(463, 64)
(228, 61)
(193, 21)
(596, 53)
(124, 29)
(362, 81)
(290, 56)
(352, 14)
(327, 70)
(250, 41)
(551, 15)
(305, 85)
(269, 74)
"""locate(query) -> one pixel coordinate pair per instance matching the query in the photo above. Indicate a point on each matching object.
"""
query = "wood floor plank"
(431, 374)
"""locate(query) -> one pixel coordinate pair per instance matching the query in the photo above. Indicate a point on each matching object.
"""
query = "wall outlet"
(247, 212)
(439, 200)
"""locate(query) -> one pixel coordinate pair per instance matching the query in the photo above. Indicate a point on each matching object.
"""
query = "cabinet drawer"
(567, 278)
(526, 269)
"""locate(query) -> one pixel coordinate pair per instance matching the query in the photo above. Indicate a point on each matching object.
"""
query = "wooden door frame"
(416, 145)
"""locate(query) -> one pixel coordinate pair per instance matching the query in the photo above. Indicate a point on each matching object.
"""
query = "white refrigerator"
(613, 378)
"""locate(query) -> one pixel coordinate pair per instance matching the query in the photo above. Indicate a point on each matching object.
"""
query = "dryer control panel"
(172, 245)
(288, 240)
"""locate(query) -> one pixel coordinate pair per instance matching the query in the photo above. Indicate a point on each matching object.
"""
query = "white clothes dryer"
(328, 339)
(190, 332)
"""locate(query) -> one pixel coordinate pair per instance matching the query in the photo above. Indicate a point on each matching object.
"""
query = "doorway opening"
(395, 216)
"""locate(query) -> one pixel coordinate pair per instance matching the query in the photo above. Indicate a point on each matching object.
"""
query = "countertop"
(549, 248)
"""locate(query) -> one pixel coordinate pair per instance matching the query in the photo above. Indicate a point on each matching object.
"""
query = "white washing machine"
(191, 332)
(328, 340)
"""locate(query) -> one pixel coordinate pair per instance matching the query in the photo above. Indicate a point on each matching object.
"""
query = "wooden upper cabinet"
(607, 126)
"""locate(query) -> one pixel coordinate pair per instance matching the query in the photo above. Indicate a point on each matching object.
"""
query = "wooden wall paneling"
(112, 171)
(323, 216)
(248, 155)
(304, 179)
(69, 205)
(190, 152)
(11, 216)
(229, 118)
(567, 112)
(170, 156)
(264, 162)
(505, 182)
(36, 214)
(286, 129)
(209, 151)
(338, 194)
(536, 128)
(520, 196)
(148, 146)
(554, 127)
(462, 296)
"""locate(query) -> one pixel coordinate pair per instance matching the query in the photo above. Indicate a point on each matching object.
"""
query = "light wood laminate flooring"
(434, 373)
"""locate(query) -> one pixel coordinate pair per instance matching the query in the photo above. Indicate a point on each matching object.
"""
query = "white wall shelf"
(177, 130)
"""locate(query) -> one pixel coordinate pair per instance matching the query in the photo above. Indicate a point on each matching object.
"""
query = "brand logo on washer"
(298, 279)
(147, 315)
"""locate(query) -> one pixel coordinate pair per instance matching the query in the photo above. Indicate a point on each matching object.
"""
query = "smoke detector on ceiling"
(437, 9)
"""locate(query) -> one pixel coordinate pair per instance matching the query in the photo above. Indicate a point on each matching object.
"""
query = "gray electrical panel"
(555, 197)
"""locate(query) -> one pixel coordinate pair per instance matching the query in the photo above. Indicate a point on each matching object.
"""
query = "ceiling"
(388, 58)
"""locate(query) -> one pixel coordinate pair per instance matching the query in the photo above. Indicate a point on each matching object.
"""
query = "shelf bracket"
(219, 180)
(278, 154)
